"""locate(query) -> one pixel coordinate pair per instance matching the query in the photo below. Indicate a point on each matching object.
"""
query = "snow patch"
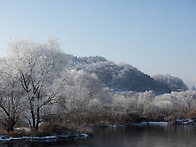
(158, 123)
(44, 139)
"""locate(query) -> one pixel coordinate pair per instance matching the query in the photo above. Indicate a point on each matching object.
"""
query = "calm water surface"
(151, 136)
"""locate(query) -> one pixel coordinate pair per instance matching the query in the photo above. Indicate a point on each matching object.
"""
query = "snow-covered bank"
(4, 138)
(158, 123)
(135, 124)
(188, 121)
(149, 124)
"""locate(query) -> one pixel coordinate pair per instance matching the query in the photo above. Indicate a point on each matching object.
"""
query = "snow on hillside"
(124, 77)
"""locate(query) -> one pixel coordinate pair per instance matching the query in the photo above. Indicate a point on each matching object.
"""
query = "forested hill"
(174, 83)
(39, 83)
(124, 77)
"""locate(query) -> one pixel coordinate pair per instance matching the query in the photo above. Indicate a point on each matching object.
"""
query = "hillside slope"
(174, 83)
(122, 77)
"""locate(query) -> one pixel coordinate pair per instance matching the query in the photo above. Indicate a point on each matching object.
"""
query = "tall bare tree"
(35, 65)
(11, 103)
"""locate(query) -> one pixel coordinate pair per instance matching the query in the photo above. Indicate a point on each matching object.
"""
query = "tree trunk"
(33, 116)
(38, 119)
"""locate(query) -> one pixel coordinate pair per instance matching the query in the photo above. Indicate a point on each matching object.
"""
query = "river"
(146, 136)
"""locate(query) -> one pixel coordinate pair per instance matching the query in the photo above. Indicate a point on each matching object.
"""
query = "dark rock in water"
(4, 137)
(134, 118)
(102, 125)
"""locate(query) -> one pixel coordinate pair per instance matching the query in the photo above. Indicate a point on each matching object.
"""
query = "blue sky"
(156, 36)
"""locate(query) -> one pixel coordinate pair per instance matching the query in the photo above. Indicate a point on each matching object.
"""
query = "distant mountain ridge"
(124, 77)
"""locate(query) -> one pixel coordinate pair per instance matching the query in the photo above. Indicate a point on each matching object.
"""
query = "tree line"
(38, 84)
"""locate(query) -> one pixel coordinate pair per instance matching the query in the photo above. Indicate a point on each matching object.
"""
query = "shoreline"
(54, 138)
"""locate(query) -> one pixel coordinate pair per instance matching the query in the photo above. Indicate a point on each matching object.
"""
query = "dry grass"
(191, 114)
(49, 129)
(96, 118)
(64, 128)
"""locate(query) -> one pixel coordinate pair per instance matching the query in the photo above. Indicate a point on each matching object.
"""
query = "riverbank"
(81, 131)
(47, 133)
(141, 124)
(54, 138)
(187, 121)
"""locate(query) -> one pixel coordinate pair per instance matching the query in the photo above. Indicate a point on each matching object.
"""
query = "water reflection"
(152, 136)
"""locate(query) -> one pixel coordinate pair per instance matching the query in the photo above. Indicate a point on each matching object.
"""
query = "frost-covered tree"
(82, 88)
(187, 100)
(144, 101)
(35, 65)
(11, 95)
(82, 93)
